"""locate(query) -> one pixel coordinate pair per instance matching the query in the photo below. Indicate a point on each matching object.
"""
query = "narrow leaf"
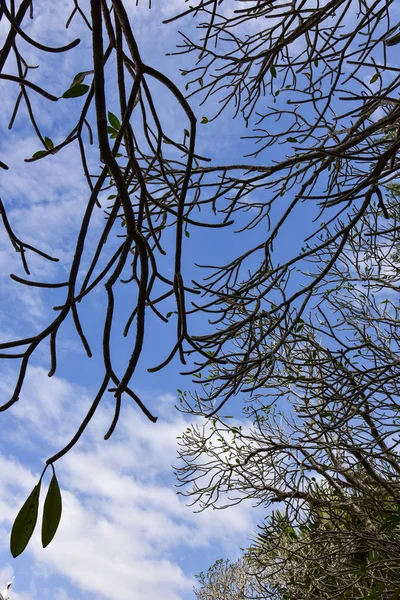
(111, 130)
(51, 512)
(374, 78)
(25, 523)
(273, 71)
(204, 120)
(79, 77)
(76, 91)
(49, 143)
(39, 153)
(292, 139)
(113, 120)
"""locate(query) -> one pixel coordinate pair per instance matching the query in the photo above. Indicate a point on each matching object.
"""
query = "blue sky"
(124, 532)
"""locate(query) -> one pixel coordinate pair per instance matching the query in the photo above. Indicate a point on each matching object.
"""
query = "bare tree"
(317, 84)
(324, 442)
(145, 197)
(139, 165)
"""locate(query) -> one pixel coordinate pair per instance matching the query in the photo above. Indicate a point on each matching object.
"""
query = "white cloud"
(6, 575)
(123, 524)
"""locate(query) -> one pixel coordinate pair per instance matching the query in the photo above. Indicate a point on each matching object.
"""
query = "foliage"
(322, 552)
(329, 550)
(226, 580)
(25, 522)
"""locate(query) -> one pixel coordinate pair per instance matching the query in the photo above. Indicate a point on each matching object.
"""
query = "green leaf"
(316, 63)
(39, 153)
(396, 594)
(185, 131)
(187, 234)
(49, 143)
(292, 139)
(113, 120)
(76, 91)
(273, 71)
(167, 316)
(204, 120)
(374, 78)
(51, 512)
(79, 77)
(25, 523)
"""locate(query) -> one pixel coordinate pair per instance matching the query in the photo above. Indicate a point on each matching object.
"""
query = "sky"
(124, 533)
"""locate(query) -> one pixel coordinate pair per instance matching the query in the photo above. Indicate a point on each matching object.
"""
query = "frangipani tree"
(321, 452)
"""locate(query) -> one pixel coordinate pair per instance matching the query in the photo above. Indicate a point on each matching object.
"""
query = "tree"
(329, 552)
(226, 580)
(324, 439)
(321, 554)
(149, 174)
(335, 149)
(333, 153)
